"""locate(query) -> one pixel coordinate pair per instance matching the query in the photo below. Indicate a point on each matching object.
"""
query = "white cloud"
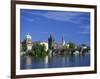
(85, 29)
(60, 16)
(28, 18)
(84, 32)
(63, 16)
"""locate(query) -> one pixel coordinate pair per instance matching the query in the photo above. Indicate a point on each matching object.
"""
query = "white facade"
(29, 47)
(63, 43)
(67, 45)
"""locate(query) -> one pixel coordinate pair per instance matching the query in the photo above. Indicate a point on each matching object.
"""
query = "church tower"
(63, 42)
(28, 42)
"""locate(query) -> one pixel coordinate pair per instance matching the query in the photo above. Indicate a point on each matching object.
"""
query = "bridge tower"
(50, 42)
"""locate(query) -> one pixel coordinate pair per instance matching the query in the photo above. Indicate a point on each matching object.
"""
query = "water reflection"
(26, 62)
(29, 62)
(46, 61)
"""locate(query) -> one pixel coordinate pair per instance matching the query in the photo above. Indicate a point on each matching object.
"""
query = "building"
(26, 44)
(50, 42)
(62, 42)
(28, 39)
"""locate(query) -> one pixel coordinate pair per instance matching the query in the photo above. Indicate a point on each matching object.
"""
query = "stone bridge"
(60, 51)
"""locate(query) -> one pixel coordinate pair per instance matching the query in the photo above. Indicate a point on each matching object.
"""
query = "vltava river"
(28, 62)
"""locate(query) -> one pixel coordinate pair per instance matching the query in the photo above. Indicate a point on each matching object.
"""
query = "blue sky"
(73, 26)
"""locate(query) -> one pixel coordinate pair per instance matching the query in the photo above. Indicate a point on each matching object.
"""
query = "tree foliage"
(71, 45)
(39, 49)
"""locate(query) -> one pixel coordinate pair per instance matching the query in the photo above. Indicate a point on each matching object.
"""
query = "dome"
(28, 36)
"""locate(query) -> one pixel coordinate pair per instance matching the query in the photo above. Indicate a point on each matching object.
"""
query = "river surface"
(58, 61)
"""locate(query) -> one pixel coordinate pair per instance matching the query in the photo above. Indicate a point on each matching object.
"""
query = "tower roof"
(28, 36)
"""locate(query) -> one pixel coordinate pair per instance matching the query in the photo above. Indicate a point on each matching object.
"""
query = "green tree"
(83, 45)
(39, 49)
(30, 53)
(87, 49)
(72, 45)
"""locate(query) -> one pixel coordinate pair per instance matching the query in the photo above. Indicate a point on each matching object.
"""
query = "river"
(58, 61)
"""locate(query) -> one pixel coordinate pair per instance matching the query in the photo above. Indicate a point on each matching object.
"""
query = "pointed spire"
(63, 41)
(50, 36)
(62, 38)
